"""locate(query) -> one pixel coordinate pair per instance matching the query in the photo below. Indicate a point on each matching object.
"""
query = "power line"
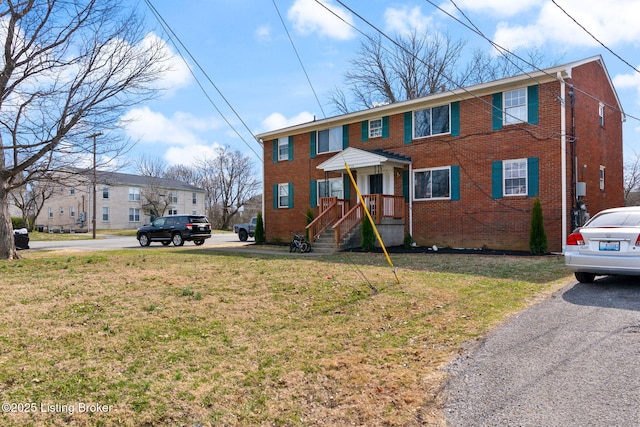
(171, 33)
(299, 60)
(595, 38)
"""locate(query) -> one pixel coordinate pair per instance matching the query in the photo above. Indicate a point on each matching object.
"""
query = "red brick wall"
(477, 220)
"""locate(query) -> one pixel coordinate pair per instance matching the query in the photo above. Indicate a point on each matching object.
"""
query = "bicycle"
(299, 244)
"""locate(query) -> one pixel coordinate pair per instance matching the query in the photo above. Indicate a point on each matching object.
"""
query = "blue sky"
(245, 51)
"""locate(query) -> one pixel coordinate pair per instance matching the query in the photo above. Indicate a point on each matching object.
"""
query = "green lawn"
(190, 336)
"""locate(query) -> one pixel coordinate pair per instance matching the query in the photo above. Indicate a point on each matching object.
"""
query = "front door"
(375, 184)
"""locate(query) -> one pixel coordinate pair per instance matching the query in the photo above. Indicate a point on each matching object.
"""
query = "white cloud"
(496, 8)
(177, 72)
(279, 121)
(263, 33)
(629, 81)
(148, 126)
(309, 17)
(602, 19)
(186, 155)
(405, 20)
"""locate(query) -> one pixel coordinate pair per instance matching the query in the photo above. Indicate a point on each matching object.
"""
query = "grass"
(189, 336)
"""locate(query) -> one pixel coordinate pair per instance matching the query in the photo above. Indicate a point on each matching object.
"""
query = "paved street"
(130, 242)
(571, 360)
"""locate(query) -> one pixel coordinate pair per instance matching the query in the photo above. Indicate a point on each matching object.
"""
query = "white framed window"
(72, 212)
(283, 148)
(432, 121)
(515, 106)
(134, 194)
(105, 213)
(72, 191)
(515, 177)
(105, 192)
(602, 170)
(283, 195)
(194, 199)
(134, 215)
(430, 184)
(173, 197)
(329, 140)
(332, 187)
(50, 212)
(375, 128)
(173, 212)
(601, 114)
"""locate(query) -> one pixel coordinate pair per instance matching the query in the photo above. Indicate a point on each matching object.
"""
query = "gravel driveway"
(571, 360)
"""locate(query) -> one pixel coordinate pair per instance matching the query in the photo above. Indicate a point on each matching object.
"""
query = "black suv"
(176, 229)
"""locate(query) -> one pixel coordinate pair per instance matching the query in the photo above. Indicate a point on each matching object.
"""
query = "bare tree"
(230, 181)
(68, 69)
(31, 198)
(413, 66)
(183, 173)
(632, 181)
(417, 65)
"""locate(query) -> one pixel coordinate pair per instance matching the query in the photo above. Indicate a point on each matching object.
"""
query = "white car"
(609, 243)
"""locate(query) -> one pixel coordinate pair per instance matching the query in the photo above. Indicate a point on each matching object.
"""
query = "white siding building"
(123, 201)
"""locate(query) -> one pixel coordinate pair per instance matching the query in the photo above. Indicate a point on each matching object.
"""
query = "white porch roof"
(356, 158)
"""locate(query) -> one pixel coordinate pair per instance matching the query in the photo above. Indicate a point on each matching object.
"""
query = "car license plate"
(609, 246)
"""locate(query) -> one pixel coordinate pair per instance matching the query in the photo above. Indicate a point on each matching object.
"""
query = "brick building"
(459, 168)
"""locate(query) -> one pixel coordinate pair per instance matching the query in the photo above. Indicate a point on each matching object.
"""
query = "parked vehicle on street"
(175, 229)
(608, 244)
(244, 231)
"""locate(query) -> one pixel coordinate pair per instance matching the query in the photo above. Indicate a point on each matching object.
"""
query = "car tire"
(198, 242)
(585, 277)
(144, 240)
(243, 235)
(177, 239)
(166, 243)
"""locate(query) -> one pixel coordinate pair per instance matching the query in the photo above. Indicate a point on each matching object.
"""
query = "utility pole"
(93, 213)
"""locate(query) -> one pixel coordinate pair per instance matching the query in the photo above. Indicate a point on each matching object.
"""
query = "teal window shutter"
(275, 196)
(532, 104)
(408, 127)
(345, 136)
(455, 182)
(291, 148)
(405, 185)
(290, 194)
(365, 130)
(385, 127)
(312, 143)
(496, 102)
(496, 180)
(533, 176)
(346, 187)
(274, 151)
(313, 193)
(455, 118)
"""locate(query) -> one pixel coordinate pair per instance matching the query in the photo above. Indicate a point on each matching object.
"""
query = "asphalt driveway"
(571, 360)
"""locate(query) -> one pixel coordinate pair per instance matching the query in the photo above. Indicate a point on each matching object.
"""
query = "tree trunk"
(7, 244)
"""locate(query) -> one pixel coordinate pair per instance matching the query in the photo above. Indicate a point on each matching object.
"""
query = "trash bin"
(41, 228)
(21, 238)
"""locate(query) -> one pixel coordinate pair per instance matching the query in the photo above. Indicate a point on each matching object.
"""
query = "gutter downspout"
(410, 200)
(264, 187)
(563, 155)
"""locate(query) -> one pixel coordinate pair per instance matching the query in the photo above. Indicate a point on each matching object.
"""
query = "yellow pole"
(366, 211)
